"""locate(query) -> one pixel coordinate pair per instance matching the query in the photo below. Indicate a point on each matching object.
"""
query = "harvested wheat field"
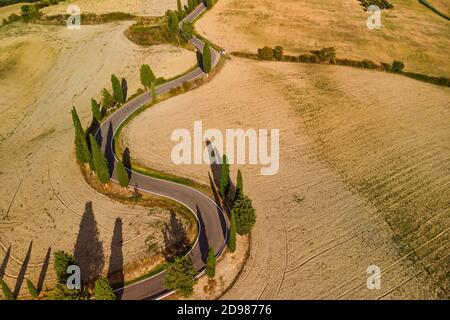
(137, 7)
(410, 32)
(364, 176)
(44, 71)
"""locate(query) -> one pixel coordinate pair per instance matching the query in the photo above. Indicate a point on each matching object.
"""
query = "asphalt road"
(212, 222)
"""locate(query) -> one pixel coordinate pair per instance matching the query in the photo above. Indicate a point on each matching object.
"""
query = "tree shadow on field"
(126, 160)
(124, 85)
(88, 250)
(115, 270)
(202, 237)
(175, 238)
(5, 262)
(23, 270)
(199, 59)
(44, 269)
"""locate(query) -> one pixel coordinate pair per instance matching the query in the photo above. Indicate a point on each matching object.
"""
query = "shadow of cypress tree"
(44, 269)
(115, 269)
(22, 272)
(88, 250)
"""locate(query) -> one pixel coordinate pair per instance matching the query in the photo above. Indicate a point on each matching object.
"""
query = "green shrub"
(62, 261)
(103, 290)
(180, 276)
(32, 289)
(210, 267)
(265, 53)
(398, 66)
(245, 215)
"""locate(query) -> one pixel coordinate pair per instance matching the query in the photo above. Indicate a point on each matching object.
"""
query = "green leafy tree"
(32, 289)
(398, 66)
(209, 4)
(96, 110)
(245, 215)
(206, 58)
(239, 186)
(187, 30)
(100, 164)
(117, 89)
(62, 260)
(103, 290)
(278, 53)
(7, 293)
(232, 234)
(210, 267)
(180, 276)
(147, 76)
(224, 184)
(265, 53)
(122, 175)
(108, 100)
(61, 292)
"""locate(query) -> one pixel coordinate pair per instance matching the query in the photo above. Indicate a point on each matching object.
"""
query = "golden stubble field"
(364, 176)
(410, 32)
(44, 71)
(138, 7)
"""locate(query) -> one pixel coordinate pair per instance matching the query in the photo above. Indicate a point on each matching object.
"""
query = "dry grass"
(411, 32)
(363, 176)
(45, 70)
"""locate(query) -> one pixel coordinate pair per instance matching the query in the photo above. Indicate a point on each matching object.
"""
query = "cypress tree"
(103, 290)
(173, 23)
(206, 58)
(224, 177)
(153, 90)
(147, 76)
(117, 89)
(239, 186)
(180, 9)
(100, 164)
(210, 267)
(232, 234)
(122, 174)
(96, 111)
(79, 136)
(32, 289)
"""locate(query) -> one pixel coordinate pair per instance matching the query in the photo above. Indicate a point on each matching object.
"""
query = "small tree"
(224, 177)
(209, 3)
(103, 290)
(239, 186)
(232, 234)
(32, 289)
(278, 53)
(265, 53)
(210, 267)
(100, 164)
(96, 110)
(245, 215)
(180, 276)
(117, 89)
(7, 293)
(147, 76)
(398, 66)
(206, 58)
(62, 261)
(122, 174)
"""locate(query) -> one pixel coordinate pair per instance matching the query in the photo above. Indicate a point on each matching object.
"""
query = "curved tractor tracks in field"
(211, 220)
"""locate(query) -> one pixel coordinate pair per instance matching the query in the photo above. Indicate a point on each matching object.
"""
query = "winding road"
(212, 222)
